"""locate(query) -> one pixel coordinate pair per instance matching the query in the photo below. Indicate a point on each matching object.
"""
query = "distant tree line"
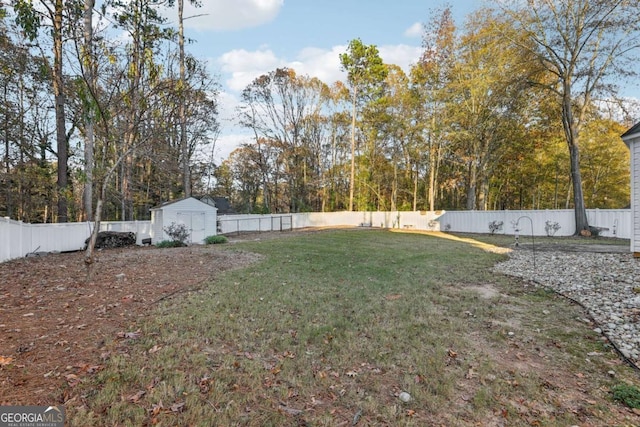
(516, 110)
(104, 110)
(99, 109)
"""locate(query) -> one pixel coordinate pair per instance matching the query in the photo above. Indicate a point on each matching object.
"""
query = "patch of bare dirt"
(54, 324)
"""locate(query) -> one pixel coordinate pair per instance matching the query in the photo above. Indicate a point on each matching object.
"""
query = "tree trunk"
(89, 134)
(184, 146)
(572, 130)
(580, 211)
(471, 186)
(353, 150)
(415, 189)
(432, 177)
(89, 258)
(58, 91)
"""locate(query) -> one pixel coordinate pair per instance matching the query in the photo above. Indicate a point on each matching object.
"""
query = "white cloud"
(227, 143)
(401, 55)
(242, 66)
(321, 63)
(225, 15)
(227, 104)
(414, 31)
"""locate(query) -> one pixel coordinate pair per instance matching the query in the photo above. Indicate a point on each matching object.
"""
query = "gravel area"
(606, 284)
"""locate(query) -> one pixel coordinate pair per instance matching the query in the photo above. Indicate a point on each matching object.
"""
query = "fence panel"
(60, 237)
(254, 223)
(18, 239)
(11, 238)
(423, 220)
(142, 229)
(612, 222)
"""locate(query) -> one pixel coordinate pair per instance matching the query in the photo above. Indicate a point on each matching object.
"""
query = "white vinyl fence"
(18, 239)
(422, 220)
(611, 222)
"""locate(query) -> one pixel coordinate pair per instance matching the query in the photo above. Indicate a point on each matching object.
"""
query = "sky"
(243, 39)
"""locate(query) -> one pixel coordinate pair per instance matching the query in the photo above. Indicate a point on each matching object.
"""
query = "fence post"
(21, 242)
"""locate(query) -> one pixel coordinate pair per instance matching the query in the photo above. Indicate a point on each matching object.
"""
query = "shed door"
(195, 224)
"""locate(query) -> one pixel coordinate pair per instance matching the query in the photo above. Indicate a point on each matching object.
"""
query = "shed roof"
(172, 202)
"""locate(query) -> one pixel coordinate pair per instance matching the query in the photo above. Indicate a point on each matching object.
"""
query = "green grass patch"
(170, 244)
(330, 327)
(627, 394)
(213, 240)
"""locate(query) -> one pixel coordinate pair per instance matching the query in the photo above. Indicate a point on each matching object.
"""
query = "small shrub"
(627, 394)
(178, 233)
(495, 226)
(170, 244)
(213, 240)
(551, 228)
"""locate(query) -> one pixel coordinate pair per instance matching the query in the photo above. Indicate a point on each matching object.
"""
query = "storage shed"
(199, 217)
(632, 139)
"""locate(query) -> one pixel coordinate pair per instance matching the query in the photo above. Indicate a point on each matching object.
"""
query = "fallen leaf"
(5, 360)
(134, 398)
(130, 335)
(153, 383)
(177, 407)
(352, 374)
(155, 349)
(156, 408)
(356, 417)
(410, 412)
(452, 354)
(470, 374)
(290, 411)
(72, 380)
(204, 384)
(89, 369)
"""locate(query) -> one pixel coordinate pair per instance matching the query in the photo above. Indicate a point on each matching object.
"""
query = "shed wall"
(190, 212)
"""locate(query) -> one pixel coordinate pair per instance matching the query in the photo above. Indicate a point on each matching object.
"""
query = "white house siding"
(632, 139)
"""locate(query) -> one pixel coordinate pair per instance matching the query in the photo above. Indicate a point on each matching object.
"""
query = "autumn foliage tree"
(583, 45)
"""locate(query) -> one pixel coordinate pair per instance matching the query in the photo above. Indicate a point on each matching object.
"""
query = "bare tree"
(29, 19)
(88, 67)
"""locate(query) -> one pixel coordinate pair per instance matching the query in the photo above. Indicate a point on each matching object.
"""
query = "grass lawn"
(331, 327)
